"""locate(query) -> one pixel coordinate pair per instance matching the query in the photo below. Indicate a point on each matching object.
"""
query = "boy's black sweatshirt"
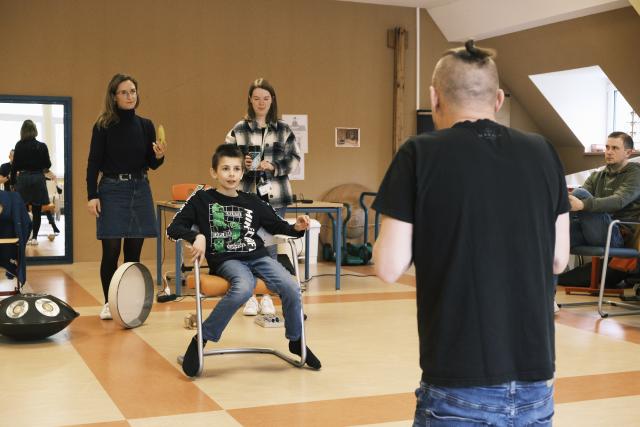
(229, 224)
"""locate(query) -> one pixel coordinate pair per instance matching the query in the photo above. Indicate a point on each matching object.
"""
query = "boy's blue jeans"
(242, 277)
(590, 228)
(512, 404)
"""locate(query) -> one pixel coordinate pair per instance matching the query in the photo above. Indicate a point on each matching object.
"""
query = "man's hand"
(93, 206)
(198, 248)
(576, 204)
(302, 223)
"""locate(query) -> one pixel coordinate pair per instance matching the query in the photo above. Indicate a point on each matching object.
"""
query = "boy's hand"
(198, 248)
(302, 223)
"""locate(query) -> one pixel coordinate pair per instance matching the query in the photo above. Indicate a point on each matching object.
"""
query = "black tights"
(110, 256)
(36, 210)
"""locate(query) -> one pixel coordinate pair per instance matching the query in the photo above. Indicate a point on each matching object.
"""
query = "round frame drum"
(131, 294)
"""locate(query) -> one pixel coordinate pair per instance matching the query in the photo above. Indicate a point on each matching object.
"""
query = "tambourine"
(131, 294)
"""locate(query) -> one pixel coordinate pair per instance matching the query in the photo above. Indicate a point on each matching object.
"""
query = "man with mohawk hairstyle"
(481, 210)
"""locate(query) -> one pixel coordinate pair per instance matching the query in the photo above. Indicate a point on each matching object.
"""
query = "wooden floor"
(49, 244)
(94, 373)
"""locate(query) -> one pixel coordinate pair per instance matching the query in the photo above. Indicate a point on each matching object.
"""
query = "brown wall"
(194, 60)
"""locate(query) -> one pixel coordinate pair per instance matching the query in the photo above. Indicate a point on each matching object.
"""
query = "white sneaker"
(251, 307)
(266, 305)
(556, 307)
(105, 314)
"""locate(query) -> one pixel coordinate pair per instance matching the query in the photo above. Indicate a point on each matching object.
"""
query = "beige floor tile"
(47, 383)
(325, 285)
(352, 366)
(618, 412)
(580, 352)
(405, 423)
(202, 419)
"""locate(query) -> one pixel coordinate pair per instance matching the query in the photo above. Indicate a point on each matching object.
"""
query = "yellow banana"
(161, 138)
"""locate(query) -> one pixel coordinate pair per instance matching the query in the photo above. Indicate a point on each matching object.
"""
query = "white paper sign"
(299, 124)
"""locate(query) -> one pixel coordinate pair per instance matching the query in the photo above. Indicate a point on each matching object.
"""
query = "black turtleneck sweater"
(125, 146)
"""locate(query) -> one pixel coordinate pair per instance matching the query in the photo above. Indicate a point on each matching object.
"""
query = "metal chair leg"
(240, 350)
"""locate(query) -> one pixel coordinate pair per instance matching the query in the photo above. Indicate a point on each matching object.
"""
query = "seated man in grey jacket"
(608, 194)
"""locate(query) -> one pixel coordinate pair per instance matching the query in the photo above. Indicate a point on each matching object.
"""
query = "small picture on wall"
(348, 137)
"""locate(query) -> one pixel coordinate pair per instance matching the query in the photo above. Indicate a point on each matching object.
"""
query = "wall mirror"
(52, 116)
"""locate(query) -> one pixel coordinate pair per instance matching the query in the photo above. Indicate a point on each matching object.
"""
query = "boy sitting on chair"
(228, 220)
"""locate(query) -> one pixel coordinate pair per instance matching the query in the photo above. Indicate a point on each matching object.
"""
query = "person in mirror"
(123, 148)
(228, 220)
(30, 160)
(50, 176)
(609, 193)
(482, 212)
(5, 173)
(279, 155)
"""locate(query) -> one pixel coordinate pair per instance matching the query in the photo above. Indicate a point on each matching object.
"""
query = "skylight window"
(589, 104)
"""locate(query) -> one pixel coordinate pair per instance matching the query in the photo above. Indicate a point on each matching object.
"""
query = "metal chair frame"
(631, 308)
(241, 350)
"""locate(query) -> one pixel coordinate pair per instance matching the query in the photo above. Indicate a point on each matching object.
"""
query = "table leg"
(337, 230)
(159, 248)
(307, 251)
(178, 268)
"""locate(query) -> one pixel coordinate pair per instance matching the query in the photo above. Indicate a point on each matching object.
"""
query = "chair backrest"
(181, 192)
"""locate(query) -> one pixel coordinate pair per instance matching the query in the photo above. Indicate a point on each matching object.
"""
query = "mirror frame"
(67, 258)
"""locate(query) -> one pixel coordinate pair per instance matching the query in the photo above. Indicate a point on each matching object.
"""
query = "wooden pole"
(397, 39)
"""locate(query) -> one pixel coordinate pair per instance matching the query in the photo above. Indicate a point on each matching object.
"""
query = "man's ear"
(213, 174)
(435, 100)
(499, 100)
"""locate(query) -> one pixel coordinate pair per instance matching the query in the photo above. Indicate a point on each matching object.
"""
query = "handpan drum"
(34, 316)
(131, 294)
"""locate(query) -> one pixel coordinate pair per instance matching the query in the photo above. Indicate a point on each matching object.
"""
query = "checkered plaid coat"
(279, 147)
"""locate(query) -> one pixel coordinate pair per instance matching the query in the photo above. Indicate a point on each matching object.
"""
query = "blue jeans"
(242, 277)
(590, 228)
(512, 404)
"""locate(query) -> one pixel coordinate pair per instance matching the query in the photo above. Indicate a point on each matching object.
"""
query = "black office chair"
(604, 253)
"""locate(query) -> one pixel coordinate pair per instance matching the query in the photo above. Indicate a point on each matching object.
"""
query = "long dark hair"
(109, 115)
(28, 130)
(272, 114)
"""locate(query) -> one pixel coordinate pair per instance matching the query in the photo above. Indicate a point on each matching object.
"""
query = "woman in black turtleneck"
(123, 148)
(30, 160)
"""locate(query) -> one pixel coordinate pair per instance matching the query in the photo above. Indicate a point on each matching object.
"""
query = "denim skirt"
(32, 188)
(126, 209)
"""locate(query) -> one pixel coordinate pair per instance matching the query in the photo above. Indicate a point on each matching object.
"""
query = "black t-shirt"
(229, 224)
(483, 200)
